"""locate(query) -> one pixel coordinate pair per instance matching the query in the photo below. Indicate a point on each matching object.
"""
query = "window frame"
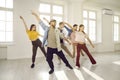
(89, 19)
(51, 14)
(118, 29)
(5, 42)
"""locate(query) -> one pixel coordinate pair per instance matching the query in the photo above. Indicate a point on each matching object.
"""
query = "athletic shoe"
(51, 71)
(33, 65)
(69, 66)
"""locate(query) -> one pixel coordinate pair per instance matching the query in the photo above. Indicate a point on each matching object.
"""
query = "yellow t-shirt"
(33, 35)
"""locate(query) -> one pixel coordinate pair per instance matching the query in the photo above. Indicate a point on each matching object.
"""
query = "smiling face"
(33, 27)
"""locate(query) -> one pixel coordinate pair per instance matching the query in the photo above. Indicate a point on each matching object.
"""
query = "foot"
(51, 71)
(33, 65)
(77, 67)
(94, 63)
(69, 66)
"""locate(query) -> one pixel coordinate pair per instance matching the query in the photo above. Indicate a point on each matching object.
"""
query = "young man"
(61, 26)
(52, 36)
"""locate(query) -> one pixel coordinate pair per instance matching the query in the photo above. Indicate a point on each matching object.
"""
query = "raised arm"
(36, 16)
(46, 20)
(40, 21)
(90, 42)
(68, 24)
(24, 22)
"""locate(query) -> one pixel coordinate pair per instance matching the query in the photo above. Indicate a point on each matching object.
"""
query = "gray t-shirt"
(52, 38)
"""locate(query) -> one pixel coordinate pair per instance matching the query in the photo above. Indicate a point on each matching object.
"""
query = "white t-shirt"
(80, 36)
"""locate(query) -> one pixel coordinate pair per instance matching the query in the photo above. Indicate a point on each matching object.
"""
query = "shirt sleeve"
(69, 30)
(43, 25)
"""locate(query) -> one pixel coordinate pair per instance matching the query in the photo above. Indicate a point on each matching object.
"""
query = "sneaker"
(69, 66)
(51, 71)
(33, 65)
(77, 67)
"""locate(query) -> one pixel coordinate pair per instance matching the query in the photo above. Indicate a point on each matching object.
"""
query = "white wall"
(22, 48)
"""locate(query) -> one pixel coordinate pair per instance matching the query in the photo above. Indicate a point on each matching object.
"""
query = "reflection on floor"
(107, 68)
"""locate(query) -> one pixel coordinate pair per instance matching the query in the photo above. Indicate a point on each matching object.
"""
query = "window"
(51, 11)
(89, 21)
(6, 20)
(116, 28)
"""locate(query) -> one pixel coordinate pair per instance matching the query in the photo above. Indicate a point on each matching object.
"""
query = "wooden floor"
(107, 68)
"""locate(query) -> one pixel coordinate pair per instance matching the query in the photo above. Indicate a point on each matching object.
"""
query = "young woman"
(71, 35)
(34, 37)
(80, 37)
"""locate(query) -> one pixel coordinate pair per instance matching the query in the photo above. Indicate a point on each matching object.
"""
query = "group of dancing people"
(54, 39)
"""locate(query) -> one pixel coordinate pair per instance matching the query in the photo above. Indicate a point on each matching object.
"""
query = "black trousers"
(50, 52)
(37, 44)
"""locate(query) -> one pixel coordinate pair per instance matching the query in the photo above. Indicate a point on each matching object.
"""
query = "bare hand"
(21, 17)
(33, 12)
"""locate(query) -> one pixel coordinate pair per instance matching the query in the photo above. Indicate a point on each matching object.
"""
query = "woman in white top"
(80, 37)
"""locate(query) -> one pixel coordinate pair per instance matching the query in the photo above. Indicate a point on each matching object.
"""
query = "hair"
(81, 25)
(61, 23)
(75, 25)
(52, 20)
(32, 25)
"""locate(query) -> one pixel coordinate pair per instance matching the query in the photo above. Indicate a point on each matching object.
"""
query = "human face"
(62, 25)
(53, 24)
(34, 28)
(75, 28)
(82, 28)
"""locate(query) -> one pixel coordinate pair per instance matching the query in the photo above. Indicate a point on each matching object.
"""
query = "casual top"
(45, 38)
(33, 35)
(72, 37)
(80, 37)
(69, 31)
(61, 39)
(51, 38)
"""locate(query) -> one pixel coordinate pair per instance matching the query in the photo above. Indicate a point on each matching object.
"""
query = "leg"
(66, 50)
(62, 56)
(89, 55)
(34, 49)
(78, 55)
(82, 53)
(74, 50)
(49, 59)
(42, 48)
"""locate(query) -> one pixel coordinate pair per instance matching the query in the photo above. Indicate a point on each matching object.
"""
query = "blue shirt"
(69, 30)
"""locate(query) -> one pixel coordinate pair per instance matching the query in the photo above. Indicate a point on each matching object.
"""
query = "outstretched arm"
(39, 20)
(90, 42)
(46, 20)
(67, 40)
(24, 22)
(36, 16)
(68, 24)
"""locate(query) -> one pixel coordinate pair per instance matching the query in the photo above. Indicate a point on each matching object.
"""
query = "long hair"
(32, 25)
(81, 25)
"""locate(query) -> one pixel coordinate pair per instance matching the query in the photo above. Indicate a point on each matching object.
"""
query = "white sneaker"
(77, 67)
